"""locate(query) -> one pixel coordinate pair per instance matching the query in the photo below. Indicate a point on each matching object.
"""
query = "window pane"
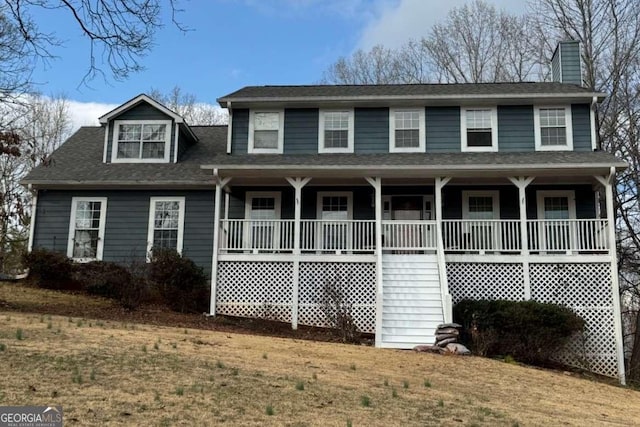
(336, 138)
(165, 239)
(266, 121)
(265, 139)
(556, 207)
(166, 222)
(553, 136)
(85, 244)
(153, 150)
(477, 138)
(154, 132)
(407, 119)
(480, 207)
(407, 138)
(478, 119)
(553, 129)
(554, 117)
(128, 150)
(129, 132)
(336, 120)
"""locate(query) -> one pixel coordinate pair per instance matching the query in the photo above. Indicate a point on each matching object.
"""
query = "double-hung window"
(86, 228)
(137, 141)
(553, 128)
(406, 130)
(479, 129)
(166, 223)
(336, 131)
(266, 133)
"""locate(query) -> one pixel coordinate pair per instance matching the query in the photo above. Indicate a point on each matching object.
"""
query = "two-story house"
(410, 197)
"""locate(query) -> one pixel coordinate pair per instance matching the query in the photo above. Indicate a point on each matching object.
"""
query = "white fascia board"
(134, 101)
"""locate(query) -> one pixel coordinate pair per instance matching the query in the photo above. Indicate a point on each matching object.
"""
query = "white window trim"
(279, 150)
(72, 227)
(151, 228)
(495, 194)
(421, 132)
(569, 194)
(167, 139)
(538, 132)
(350, 130)
(494, 129)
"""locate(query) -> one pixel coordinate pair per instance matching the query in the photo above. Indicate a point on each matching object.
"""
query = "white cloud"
(400, 21)
(87, 113)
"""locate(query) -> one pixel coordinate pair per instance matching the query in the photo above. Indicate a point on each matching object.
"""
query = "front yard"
(131, 372)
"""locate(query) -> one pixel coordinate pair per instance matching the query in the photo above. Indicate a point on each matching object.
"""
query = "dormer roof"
(178, 119)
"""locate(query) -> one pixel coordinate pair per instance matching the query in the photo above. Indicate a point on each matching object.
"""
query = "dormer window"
(336, 131)
(266, 133)
(479, 129)
(553, 128)
(137, 141)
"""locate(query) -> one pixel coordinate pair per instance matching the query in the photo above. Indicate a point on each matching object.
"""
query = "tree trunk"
(633, 374)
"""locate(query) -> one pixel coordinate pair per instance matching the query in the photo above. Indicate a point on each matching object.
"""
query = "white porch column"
(376, 183)
(522, 182)
(608, 183)
(442, 265)
(297, 184)
(220, 184)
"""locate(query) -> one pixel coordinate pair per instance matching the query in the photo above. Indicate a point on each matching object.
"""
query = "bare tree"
(380, 65)
(40, 124)
(120, 32)
(477, 43)
(187, 106)
(609, 33)
(456, 50)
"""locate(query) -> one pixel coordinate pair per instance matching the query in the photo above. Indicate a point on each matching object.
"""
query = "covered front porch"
(405, 248)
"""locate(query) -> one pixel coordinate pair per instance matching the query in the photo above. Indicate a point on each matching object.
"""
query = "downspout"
(229, 127)
(32, 226)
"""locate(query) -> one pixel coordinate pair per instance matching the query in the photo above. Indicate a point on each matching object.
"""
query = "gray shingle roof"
(274, 93)
(79, 162)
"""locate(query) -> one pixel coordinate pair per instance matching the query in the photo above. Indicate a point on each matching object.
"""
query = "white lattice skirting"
(584, 287)
(264, 289)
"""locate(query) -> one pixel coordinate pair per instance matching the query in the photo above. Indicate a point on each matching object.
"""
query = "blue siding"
(443, 129)
(570, 62)
(300, 131)
(142, 111)
(515, 128)
(240, 131)
(371, 130)
(581, 121)
(127, 223)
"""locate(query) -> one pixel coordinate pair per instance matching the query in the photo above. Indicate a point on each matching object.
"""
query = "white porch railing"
(358, 236)
(256, 235)
(409, 235)
(339, 236)
(568, 235)
(495, 235)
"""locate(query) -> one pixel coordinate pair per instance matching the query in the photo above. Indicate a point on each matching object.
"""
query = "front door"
(558, 207)
(480, 232)
(263, 212)
(335, 209)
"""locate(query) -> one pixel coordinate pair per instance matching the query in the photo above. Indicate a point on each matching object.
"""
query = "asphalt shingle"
(79, 161)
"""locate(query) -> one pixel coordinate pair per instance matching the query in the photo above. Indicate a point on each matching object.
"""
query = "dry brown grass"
(115, 373)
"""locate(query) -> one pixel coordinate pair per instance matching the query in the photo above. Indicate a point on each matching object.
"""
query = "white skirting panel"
(263, 289)
(583, 287)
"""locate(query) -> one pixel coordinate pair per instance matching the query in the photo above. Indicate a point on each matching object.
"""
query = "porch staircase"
(412, 303)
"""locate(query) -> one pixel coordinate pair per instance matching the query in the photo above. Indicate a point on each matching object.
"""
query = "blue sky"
(234, 43)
